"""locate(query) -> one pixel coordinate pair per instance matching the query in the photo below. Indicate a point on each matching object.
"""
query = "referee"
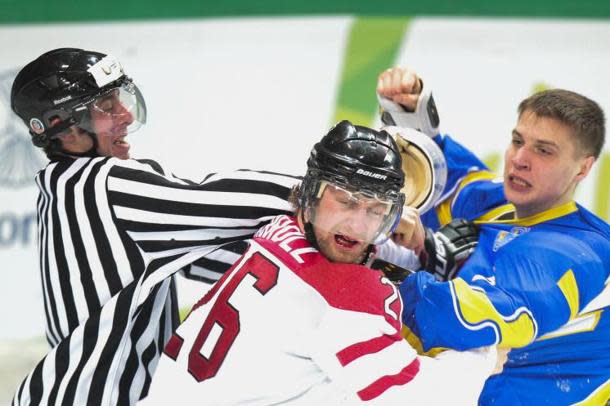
(113, 231)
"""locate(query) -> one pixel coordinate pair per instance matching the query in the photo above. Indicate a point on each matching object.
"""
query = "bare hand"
(410, 231)
(400, 85)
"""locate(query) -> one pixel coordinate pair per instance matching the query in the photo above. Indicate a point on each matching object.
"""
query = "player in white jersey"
(299, 320)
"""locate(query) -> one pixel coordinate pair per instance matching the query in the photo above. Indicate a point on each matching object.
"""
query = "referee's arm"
(163, 214)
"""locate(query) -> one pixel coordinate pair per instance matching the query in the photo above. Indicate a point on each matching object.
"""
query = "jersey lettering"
(283, 231)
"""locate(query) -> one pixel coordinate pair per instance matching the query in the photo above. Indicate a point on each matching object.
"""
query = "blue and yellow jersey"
(538, 285)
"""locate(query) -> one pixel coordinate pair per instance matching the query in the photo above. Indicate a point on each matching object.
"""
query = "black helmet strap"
(43, 140)
(58, 128)
(309, 233)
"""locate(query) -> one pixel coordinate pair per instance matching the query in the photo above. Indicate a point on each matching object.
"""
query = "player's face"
(543, 165)
(345, 225)
(110, 121)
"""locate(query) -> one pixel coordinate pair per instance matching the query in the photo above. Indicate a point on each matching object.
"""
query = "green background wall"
(40, 11)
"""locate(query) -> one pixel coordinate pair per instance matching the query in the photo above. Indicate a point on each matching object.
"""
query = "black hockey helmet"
(362, 162)
(359, 157)
(65, 84)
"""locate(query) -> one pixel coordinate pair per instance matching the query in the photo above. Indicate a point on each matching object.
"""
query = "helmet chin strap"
(309, 233)
(311, 237)
(367, 254)
(91, 152)
(61, 153)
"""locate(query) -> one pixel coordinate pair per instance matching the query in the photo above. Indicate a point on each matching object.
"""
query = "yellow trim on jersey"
(476, 311)
(547, 215)
(415, 342)
(600, 396)
(496, 213)
(443, 210)
(569, 288)
(566, 331)
(412, 339)
(475, 177)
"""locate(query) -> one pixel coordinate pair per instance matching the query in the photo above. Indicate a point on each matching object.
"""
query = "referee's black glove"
(446, 250)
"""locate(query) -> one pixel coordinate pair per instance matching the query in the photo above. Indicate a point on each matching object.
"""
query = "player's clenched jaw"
(543, 165)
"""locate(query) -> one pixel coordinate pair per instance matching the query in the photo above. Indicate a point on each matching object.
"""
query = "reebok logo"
(371, 174)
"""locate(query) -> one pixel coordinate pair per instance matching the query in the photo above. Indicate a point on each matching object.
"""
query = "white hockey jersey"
(286, 325)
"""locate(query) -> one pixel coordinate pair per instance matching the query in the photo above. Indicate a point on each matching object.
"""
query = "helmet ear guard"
(39, 140)
(424, 166)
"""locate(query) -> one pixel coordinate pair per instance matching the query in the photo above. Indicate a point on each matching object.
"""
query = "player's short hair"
(294, 197)
(584, 116)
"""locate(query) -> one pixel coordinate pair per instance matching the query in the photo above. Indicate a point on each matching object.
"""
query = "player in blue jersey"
(538, 281)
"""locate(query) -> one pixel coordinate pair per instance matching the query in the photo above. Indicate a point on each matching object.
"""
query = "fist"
(410, 232)
(400, 85)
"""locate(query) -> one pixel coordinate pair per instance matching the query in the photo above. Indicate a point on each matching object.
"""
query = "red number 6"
(226, 316)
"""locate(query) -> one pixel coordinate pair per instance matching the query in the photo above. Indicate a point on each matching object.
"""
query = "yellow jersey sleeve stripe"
(580, 324)
(569, 288)
(475, 311)
(443, 212)
(416, 343)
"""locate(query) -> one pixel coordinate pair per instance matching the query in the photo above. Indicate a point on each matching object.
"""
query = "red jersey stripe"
(373, 345)
(385, 382)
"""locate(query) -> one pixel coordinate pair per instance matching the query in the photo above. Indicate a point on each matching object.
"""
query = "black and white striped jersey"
(103, 225)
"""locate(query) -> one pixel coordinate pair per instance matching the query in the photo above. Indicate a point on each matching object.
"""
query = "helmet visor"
(354, 219)
(115, 112)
